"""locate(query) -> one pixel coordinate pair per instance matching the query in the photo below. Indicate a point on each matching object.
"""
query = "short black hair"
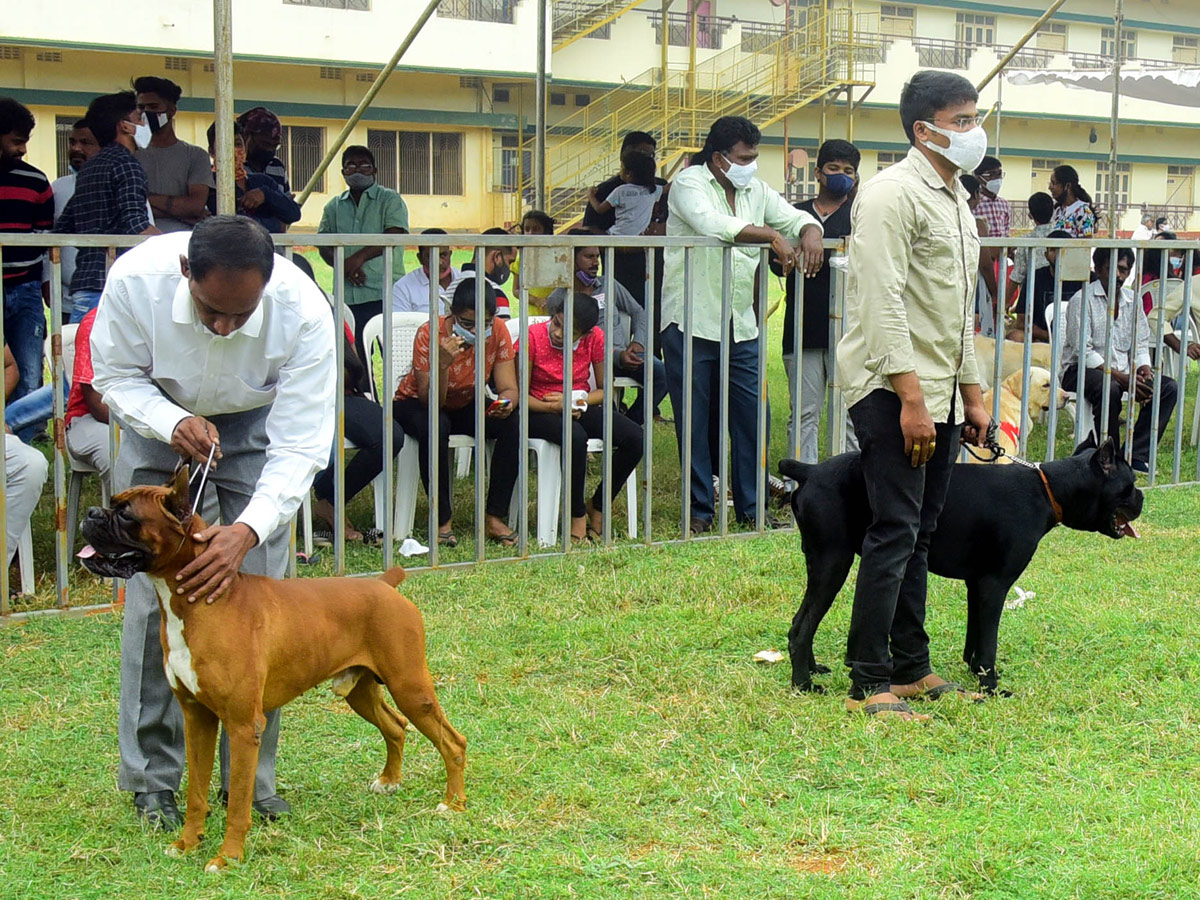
(541, 218)
(928, 93)
(104, 114)
(1102, 256)
(357, 150)
(81, 123)
(498, 230)
(1161, 220)
(1060, 234)
(724, 134)
(1165, 236)
(584, 309)
(212, 134)
(425, 248)
(837, 150)
(15, 118)
(637, 139)
(1041, 207)
(988, 164)
(464, 297)
(971, 183)
(163, 87)
(640, 166)
(235, 243)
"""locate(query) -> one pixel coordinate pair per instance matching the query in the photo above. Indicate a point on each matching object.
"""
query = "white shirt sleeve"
(121, 362)
(299, 430)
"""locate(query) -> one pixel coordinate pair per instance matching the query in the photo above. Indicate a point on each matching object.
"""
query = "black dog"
(988, 532)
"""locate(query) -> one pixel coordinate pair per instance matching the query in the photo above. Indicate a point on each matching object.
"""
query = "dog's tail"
(795, 470)
(393, 576)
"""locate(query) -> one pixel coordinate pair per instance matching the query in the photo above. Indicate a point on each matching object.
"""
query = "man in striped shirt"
(26, 207)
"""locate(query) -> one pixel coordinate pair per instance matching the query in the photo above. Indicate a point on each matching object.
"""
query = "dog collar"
(1054, 504)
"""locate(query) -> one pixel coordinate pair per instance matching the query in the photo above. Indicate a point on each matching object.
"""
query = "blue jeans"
(83, 302)
(743, 417)
(25, 333)
(32, 409)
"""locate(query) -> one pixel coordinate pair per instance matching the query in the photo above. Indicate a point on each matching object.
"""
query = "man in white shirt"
(1129, 358)
(718, 196)
(201, 339)
(1145, 229)
(410, 293)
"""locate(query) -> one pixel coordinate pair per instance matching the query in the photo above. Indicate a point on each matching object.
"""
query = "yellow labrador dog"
(1012, 359)
(1010, 426)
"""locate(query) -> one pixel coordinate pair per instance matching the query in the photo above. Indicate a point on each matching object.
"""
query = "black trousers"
(627, 452)
(413, 415)
(887, 642)
(364, 426)
(1093, 391)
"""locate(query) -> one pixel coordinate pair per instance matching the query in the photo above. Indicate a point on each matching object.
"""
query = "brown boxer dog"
(262, 645)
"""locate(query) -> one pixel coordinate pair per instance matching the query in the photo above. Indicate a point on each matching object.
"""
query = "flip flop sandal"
(447, 539)
(504, 540)
(322, 538)
(949, 687)
(595, 535)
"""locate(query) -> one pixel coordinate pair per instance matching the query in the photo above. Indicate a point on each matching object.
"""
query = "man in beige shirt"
(907, 352)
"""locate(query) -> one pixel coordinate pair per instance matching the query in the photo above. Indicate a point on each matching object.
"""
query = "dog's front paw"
(818, 669)
(806, 686)
(379, 786)
(220, 863)
(178, 848)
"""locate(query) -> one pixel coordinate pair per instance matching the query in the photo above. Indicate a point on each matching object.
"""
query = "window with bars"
(301, 148)
(976, 30)
(62, 142)
(500, 11)
(360, 5)
(1104, 183)
(1108, 43)
(1042, 170)
(884, 158)
(1052, 36)
(418, 162)
(331, 73)
(511, 165)
(1185, 50)
(177, 64)
(898, 21)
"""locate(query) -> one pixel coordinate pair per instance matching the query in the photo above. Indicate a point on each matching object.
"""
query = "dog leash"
(992, 446)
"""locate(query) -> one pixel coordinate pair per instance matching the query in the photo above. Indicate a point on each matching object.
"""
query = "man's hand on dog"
(194, 437)
(211, 573)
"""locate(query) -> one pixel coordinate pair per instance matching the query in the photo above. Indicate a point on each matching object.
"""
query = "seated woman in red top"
(546, 401)
(456, 383)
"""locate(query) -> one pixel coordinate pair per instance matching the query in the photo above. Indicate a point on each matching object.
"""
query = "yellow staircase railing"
(765, 84)
(575, 19)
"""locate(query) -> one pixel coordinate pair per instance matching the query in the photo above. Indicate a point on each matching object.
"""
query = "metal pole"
(1019, 45)
(336, 147)
(1118, 48)
(999, 114)
(223, 75)
(539, 139)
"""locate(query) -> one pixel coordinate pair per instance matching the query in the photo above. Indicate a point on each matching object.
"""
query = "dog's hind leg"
(826, 575)
(366, 699)
(200, 736)
(416, 698)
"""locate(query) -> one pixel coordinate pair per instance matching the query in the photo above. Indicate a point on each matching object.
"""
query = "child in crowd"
(633, 200)
(585, 404)
(533, 222)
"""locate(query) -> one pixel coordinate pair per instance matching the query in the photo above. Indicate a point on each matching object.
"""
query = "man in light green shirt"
(717, 196)
(907, 356)
(366, 208)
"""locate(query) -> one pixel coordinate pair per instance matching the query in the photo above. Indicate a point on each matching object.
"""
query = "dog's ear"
(179, 501)
(1105, 458)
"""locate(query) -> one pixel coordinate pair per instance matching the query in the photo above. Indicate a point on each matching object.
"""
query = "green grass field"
(622, 743)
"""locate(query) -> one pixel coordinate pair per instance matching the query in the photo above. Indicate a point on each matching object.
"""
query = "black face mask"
(259, 156)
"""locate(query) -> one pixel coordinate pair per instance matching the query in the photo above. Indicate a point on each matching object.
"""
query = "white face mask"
(967, 148)
(994, 185)
(142, 135)
(740, 176)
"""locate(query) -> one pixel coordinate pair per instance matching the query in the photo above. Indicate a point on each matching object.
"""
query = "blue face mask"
(839, 185)
(469, 336)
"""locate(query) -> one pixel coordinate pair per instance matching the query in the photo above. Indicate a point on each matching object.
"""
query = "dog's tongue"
(1126, 529)
(87, 552)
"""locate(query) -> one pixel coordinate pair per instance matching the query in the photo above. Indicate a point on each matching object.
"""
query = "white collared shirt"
(1129, 311)
(155, 364)
(410, 293)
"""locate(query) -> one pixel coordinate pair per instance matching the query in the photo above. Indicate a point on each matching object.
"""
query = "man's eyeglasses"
(964, 123)
(365, 168)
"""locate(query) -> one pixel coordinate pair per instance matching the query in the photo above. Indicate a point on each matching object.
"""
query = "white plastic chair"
(548, 456)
